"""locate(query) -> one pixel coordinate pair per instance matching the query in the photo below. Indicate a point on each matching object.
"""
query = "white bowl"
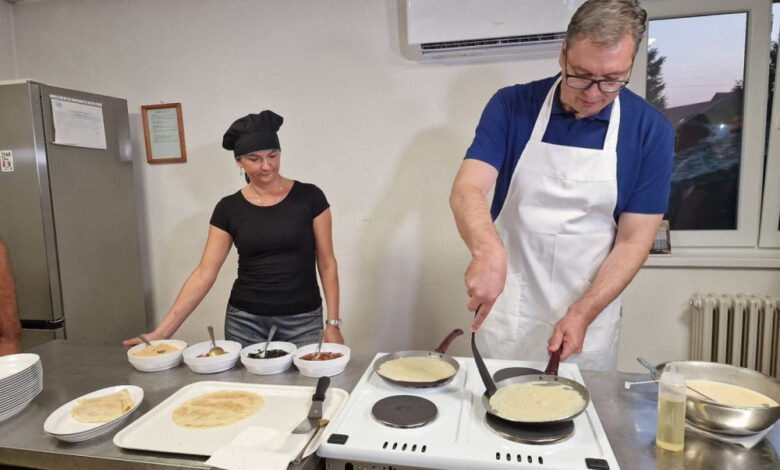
(273, 365)
(328, 368)
(155, 363)
(212, 364)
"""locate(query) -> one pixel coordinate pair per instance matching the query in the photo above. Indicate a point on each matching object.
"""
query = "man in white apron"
(581, 168)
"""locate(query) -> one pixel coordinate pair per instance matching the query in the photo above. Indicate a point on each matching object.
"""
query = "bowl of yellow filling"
(161, 355)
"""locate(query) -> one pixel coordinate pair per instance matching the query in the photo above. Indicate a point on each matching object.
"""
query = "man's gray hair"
(606, 22)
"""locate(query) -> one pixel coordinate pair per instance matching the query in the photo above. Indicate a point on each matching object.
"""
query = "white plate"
(285, 407)
(60, 423)
(15, 363)
(28, 395)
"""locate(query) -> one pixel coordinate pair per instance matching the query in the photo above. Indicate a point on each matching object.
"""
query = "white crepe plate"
(60, 423)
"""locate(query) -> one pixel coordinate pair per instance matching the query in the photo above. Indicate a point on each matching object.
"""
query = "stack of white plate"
(21, 380)
(61, 425)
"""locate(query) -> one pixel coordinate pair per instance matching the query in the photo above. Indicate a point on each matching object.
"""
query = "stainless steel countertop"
(71, 370)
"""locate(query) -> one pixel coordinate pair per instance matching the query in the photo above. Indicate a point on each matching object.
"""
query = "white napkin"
(257, 447)
(745, 441)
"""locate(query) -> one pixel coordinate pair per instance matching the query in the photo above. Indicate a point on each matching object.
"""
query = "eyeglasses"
(583, 83)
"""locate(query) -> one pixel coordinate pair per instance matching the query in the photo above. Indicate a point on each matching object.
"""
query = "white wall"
(381, 135)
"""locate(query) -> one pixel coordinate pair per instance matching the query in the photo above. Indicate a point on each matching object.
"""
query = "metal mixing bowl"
(725, 419)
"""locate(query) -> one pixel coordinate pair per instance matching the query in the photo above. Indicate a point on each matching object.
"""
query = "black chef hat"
(252, 133)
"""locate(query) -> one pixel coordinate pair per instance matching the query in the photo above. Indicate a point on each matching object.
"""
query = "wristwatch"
(336, 323)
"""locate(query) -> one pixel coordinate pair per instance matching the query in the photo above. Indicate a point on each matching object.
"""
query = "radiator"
(742, 330)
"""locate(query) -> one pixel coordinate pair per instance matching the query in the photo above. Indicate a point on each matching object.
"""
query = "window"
(707, 68)
(696, 81)
(770, 222)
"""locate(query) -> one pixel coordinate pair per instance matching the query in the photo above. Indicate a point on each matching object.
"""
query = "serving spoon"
(319, 346)
(143, 338)
(268, 341)
(215, 350)
(655, 374)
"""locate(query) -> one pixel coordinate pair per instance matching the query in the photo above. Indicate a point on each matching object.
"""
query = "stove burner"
(543, 433)
(509, 372)
(404, 411)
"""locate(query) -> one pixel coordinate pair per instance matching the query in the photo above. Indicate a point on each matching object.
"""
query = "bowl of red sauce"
(331, 360)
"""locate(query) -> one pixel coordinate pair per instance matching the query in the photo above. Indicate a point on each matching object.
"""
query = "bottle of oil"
(671, 411)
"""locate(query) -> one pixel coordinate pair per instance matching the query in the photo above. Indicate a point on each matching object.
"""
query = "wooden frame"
(165, 137)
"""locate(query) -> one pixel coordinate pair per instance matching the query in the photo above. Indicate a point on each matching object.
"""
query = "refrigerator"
(68, 214)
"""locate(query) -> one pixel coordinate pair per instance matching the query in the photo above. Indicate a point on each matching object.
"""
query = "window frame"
(770, 232)
(756, 83)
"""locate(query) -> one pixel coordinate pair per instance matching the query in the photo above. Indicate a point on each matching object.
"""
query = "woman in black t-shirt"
(281, 229)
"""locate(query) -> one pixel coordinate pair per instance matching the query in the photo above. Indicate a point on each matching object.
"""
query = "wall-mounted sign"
(164, 133)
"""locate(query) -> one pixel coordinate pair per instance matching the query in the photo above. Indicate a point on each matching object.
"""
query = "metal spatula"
(315, 412)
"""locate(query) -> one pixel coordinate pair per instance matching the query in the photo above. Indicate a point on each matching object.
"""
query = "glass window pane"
(696, 80)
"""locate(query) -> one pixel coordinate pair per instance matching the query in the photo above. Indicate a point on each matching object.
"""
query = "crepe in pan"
(416, 369)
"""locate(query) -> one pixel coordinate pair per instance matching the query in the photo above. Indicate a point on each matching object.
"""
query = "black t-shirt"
(276, 250)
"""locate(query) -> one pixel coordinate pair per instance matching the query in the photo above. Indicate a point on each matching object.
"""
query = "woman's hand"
(129, 343)
(333, 335)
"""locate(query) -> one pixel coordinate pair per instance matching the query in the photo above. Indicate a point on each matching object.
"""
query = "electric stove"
(388, 427)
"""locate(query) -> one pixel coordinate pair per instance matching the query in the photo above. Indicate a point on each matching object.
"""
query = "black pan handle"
(490, 386)
(555, 360)
(446, 343)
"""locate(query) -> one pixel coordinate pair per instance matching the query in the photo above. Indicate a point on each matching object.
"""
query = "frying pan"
(550, 376)
(437, 353)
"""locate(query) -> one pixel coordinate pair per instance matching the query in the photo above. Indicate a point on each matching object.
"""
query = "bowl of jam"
(277, 358)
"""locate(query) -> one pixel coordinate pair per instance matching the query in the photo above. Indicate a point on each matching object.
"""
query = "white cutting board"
(285, 407)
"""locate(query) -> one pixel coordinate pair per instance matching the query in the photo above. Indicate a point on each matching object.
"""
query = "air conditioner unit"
(455, 28)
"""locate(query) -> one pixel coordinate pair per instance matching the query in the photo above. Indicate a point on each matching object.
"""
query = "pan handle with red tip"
(446, 343)
(555, 360)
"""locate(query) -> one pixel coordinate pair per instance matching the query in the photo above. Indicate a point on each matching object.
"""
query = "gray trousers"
(246, 328)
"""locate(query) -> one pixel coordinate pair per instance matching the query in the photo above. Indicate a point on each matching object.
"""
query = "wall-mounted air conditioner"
(455, 28)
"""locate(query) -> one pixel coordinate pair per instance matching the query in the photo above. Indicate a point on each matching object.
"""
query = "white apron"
(557, 226)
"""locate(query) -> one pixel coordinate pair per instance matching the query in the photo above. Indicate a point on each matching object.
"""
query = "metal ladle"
(215, 350)
(655, 374)
(268, 341)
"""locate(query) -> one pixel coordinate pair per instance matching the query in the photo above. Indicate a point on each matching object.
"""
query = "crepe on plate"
(102, 409)
(416, 369)
(216, 409)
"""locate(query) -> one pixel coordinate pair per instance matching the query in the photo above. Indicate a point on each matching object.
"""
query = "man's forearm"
(472, 217)
(623, 262)
(615, 273)
(10, 328)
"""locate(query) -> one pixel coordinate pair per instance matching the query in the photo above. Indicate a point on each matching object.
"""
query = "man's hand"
(485, 278)
(569, 334)
(10, 347)
(486, 273)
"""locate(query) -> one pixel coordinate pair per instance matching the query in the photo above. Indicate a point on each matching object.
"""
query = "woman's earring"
(240, 170)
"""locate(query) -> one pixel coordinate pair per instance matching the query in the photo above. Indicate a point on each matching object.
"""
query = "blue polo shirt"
(645, 149)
